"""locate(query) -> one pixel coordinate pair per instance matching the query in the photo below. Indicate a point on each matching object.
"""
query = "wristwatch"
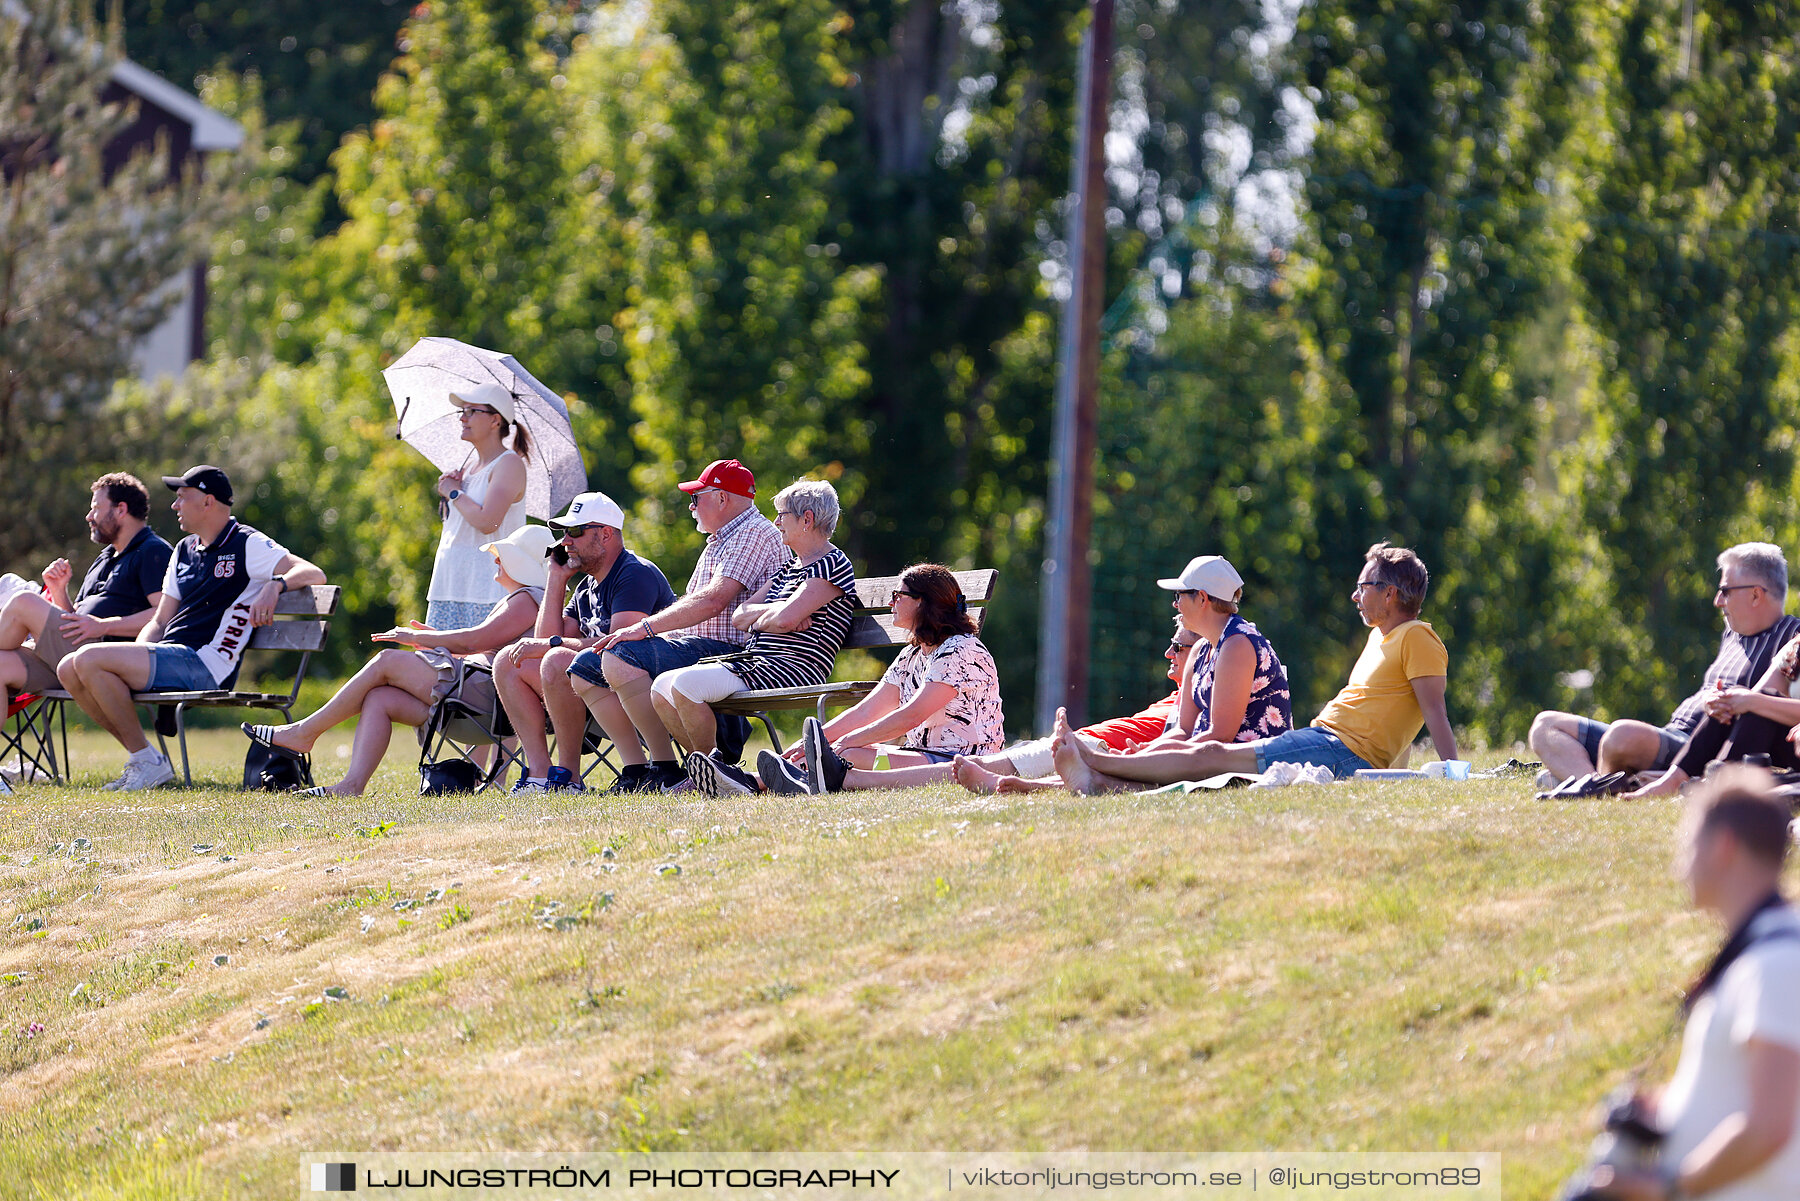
(454, 493)
(556, 640)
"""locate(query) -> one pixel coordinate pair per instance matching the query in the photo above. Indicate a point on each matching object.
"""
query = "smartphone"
(560, 554)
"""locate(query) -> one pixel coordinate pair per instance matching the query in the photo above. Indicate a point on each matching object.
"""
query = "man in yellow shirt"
(1396, 687)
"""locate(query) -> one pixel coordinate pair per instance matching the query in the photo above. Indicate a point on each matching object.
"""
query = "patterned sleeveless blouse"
(1270, 711)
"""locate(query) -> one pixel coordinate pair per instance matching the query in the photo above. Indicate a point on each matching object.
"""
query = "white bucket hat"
(521, 554)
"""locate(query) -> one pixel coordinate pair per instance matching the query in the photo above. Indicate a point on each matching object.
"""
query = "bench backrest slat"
(292, 630)
(874, 625)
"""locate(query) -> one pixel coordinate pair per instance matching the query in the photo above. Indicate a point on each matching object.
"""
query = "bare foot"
(1070, 765)
(286, 738)
(1016, 784)
(1666, 784)
(973, 776)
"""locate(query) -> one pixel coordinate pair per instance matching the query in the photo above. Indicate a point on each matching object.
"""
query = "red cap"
(727, 475)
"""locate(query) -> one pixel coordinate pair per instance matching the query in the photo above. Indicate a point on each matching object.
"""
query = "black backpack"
(267, 770)
(448, 776)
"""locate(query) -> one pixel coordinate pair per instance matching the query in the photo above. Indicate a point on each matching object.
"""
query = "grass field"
(198, 986)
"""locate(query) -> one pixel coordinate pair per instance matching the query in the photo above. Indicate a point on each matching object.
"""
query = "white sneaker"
(146, 773)
(115, 785)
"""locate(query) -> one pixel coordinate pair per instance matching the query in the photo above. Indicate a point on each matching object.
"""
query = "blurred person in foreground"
(1728, 1116)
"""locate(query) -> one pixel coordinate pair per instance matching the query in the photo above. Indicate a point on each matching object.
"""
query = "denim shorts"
(1311, 744)
(653, 655)
(1669, 742)
(177, 668)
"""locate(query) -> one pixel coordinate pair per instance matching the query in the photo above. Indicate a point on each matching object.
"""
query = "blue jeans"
(177, 668)
(657, 655)
(1312, 744)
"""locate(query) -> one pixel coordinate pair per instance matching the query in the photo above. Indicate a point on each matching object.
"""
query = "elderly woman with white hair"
(797, 623)
(402, 685)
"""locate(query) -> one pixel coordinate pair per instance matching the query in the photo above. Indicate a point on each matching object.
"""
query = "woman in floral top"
(940, 699)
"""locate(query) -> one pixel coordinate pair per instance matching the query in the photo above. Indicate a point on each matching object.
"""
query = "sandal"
(264, 736)
(1594, 784)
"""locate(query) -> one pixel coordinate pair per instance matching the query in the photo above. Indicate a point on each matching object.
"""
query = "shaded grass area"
(225, 982)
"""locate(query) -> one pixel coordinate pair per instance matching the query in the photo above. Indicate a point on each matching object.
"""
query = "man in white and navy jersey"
(223, 581)
(1752, 595)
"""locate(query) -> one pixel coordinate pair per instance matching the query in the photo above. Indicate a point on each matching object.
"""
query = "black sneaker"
(631, 779)
(825, 772)
(664, 776)
(779, 776)
(716, 778)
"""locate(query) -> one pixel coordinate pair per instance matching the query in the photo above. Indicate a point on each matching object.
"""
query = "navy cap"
(204, 478)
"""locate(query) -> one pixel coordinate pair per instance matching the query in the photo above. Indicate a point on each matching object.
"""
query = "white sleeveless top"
(462, 571)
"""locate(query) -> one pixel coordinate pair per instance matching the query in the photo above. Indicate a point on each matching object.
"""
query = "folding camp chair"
(31, 737)
(472, 717)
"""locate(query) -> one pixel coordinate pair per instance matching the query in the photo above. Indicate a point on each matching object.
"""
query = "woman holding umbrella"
(482, 503)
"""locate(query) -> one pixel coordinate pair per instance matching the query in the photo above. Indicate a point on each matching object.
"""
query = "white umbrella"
(421, 381)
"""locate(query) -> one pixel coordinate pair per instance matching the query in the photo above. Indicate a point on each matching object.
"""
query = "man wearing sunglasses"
(1751, 596)
(613, 588)
(743, 549)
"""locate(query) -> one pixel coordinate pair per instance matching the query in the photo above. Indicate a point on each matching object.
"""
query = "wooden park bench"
(872, 627)
(299, 627)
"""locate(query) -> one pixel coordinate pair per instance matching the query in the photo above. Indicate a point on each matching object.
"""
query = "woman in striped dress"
(797, 622)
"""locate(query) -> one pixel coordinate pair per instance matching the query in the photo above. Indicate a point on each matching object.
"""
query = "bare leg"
(517, 688)
(23, 617)
(1194, 762)
(381, 708)
(1629, 746)
(568, 716)
(696, 721)
(896, 777)
(389, 669)
(611, 715)
(632, 686)
(101, 678)
(1554, 737)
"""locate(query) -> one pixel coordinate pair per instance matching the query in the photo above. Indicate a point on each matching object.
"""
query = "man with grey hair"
(1752, 594)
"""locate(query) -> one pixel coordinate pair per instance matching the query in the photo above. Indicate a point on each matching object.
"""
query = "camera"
(1626, 1141)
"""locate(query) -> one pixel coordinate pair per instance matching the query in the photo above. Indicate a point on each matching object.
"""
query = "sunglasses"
(569, 533)
(481, 409)
(907, 592)
(694, 502)
(1727, 590)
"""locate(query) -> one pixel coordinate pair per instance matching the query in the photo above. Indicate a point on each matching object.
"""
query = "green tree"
(78, 286)
(1689, 283)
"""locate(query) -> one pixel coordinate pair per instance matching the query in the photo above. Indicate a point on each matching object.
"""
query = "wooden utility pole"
(1063, 638)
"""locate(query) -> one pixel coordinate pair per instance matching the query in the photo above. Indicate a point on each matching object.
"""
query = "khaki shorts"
(41, 659)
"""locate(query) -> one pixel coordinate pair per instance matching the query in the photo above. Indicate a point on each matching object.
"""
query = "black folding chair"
(30, 737)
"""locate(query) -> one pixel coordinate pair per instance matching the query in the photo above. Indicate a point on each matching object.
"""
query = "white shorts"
(703, 682)
(1036, 759)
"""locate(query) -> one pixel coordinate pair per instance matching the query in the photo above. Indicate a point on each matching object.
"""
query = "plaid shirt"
(749, 549)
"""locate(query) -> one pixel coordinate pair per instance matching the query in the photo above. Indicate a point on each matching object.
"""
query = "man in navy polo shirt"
(532, 676)
(117, 597)
(223, 580)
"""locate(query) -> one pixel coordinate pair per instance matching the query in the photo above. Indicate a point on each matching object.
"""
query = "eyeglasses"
(1728, 589)
(694, 503)
(1363, 585)
(571, 532)
(481, 409)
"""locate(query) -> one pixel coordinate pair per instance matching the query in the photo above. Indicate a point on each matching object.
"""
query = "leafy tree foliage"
(79, 283)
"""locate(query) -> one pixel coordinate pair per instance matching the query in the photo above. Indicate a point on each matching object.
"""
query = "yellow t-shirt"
(1377, 715)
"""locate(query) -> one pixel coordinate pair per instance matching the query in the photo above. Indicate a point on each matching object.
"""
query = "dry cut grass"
(197, 987)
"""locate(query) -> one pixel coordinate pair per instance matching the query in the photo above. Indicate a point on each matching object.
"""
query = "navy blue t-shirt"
(633, 585)
(209, 583)
(119, 583)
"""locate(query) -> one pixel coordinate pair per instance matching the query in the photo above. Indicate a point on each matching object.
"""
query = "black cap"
(204, 478)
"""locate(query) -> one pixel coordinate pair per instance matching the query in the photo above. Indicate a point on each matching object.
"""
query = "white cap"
(521, 554)
(1211, 574)
(492, 395)
(590, 508)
